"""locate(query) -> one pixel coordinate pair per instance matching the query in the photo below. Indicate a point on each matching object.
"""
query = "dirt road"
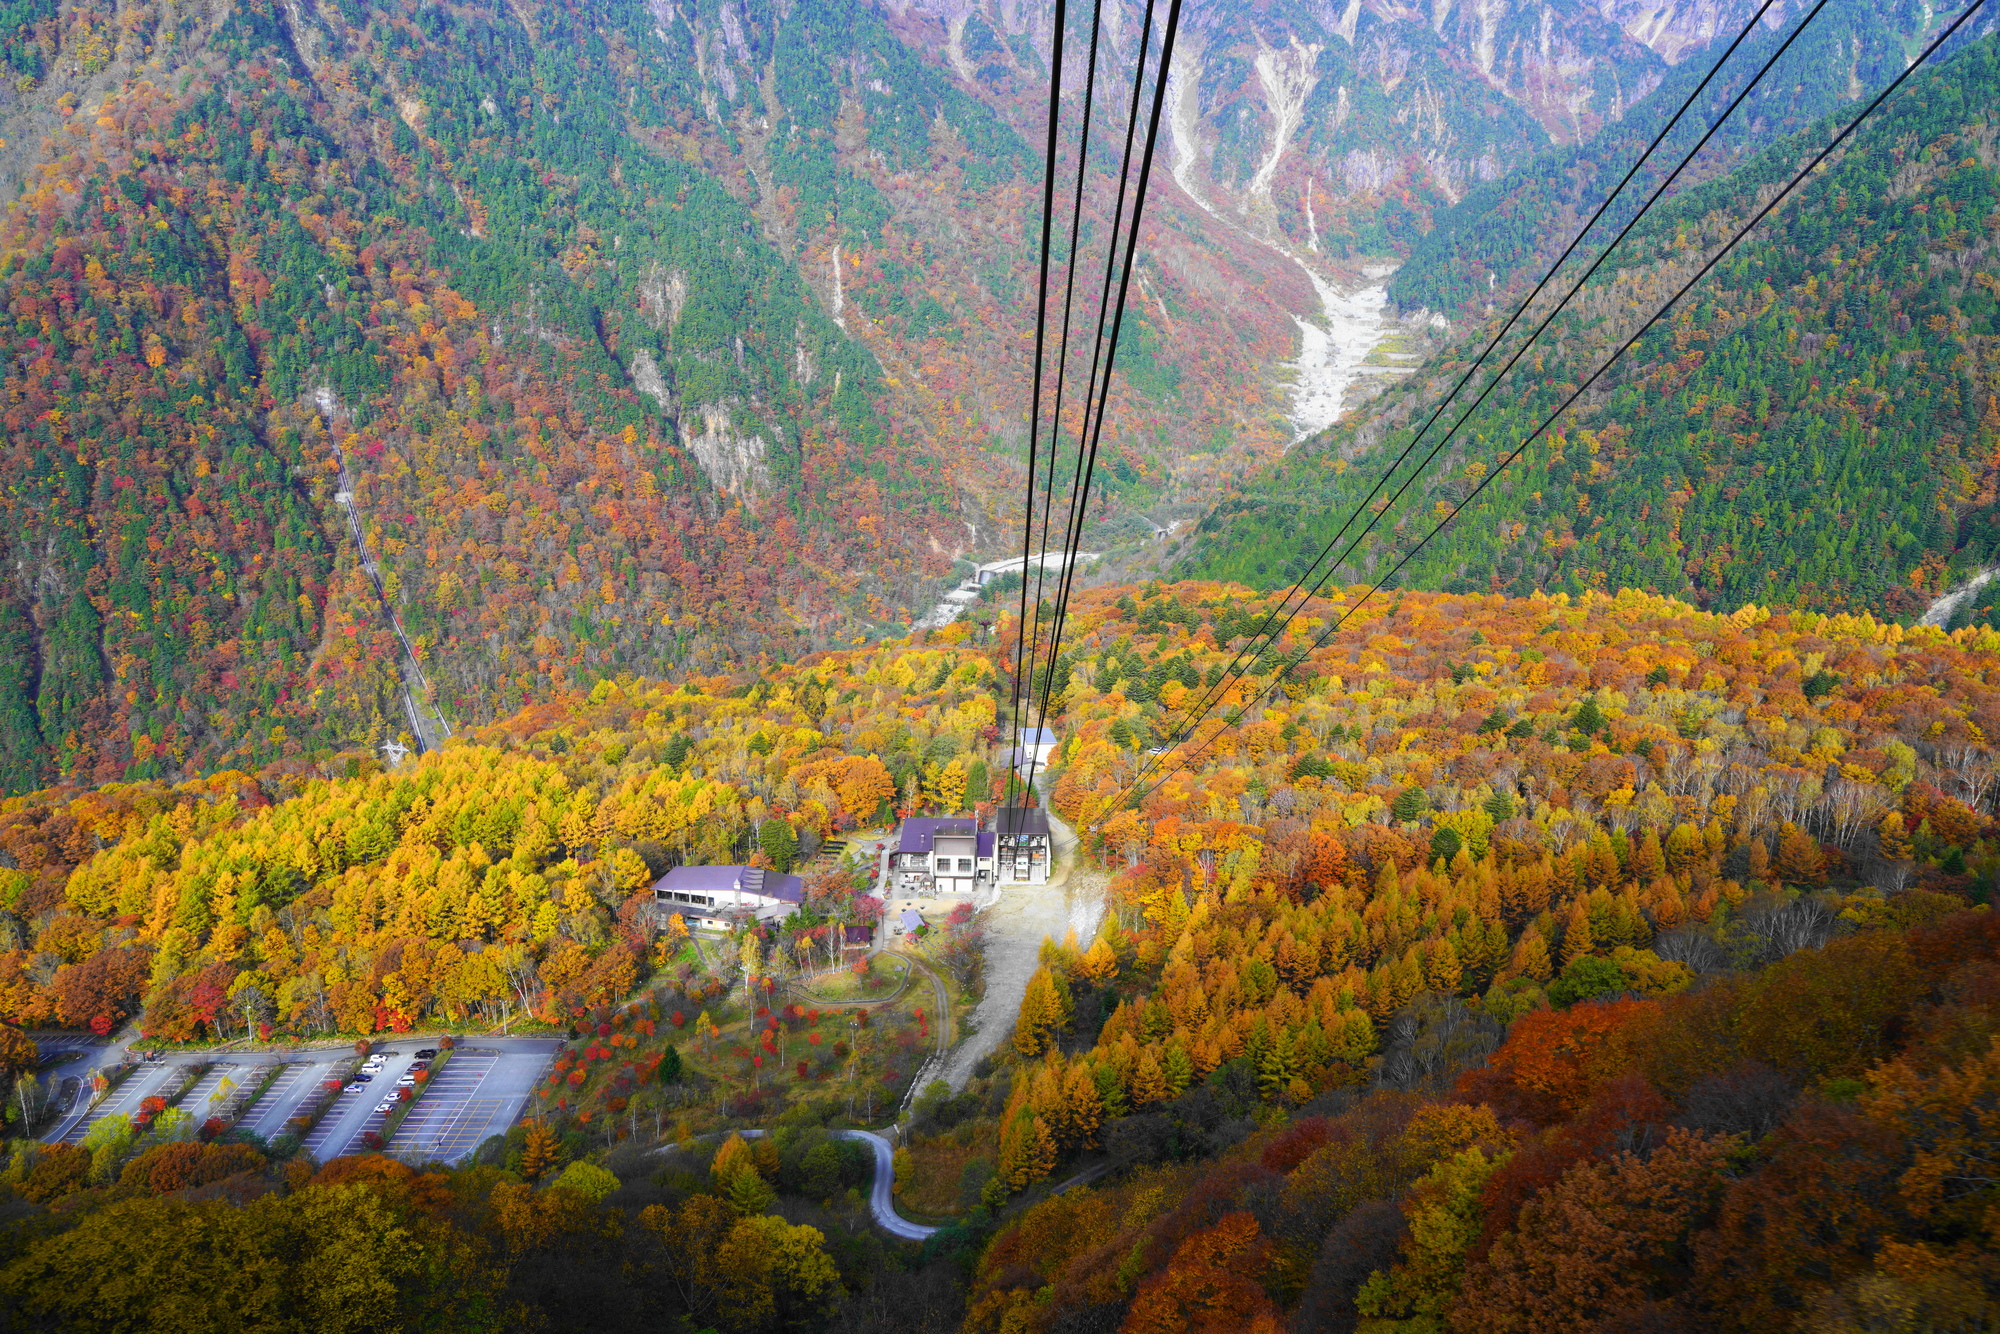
(1025, 916)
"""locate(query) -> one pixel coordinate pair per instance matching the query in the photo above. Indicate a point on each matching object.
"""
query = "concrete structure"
(1035, 744)
(715, 898)
(1030, 759)
(967, 593)
(935, 857)
(1048, 560)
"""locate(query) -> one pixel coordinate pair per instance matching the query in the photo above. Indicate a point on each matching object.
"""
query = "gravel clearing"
(1025, 916)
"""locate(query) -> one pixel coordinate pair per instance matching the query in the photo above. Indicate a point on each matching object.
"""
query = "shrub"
(587, 1179)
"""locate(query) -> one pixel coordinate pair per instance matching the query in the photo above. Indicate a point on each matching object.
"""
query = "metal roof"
(724, 879)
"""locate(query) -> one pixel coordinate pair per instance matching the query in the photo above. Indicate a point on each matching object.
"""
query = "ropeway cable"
(1623, 348)
(1207, 704)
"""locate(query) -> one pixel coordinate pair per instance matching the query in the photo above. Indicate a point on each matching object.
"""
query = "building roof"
(917, 834)
(858, 935)
(912, 919)
(1037, 736)
(1023, 820)
(723, 879)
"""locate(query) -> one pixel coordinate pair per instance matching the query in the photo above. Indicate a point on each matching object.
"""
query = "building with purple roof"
(716, 898)
(948, 855)
(953, 855)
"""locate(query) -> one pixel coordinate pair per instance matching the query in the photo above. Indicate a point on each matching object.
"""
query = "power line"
(1097, 340)
(1473, 369)
(1627, 345)
(1027, 671)
(1207, 703)
(1041, 330)
(1096, 436)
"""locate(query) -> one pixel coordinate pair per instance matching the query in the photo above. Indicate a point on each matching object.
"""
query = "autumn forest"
(542, 787)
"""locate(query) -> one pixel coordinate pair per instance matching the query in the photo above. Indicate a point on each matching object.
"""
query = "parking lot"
(141, 1084)
(267, 1116)
(196, 1102)
(479, 1093)
(449, 1110)
(353, 1115)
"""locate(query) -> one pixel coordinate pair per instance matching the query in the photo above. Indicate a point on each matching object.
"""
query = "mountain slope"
(375, 370)
(586, 411)
(1812, 428)
(1497, 240)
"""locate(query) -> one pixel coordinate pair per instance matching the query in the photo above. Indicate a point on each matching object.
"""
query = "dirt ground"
(1015, 929)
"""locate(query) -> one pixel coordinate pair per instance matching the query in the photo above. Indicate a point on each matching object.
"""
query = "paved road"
(882, 1192)
(882, 1195)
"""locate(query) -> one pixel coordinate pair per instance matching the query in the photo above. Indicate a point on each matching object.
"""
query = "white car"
(406, 1081)
(357, 1088)
(386, 1107)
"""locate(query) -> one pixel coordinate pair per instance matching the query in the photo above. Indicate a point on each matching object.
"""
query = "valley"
(543, 793)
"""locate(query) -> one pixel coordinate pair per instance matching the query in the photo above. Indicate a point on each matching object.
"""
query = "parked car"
(427, 1054)
(357, 1088)
(386, 1107)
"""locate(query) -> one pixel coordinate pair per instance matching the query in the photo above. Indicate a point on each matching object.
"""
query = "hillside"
(1497, 240)
(1810, 429)
(1443, 848)
(628, 341)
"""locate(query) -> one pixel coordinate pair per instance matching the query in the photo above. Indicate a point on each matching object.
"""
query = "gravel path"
(1015, 928)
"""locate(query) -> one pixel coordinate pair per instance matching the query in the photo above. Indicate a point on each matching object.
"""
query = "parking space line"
(444, 1102)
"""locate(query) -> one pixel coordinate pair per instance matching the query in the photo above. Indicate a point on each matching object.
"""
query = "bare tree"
(1972, 768)
(1851, 808)
(1774, 933)
(1433, 1038)
(1694, 947)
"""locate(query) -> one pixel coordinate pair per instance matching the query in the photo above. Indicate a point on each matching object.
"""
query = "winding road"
(882, 1193)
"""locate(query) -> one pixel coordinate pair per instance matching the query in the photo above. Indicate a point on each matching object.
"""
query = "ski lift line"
(1062, 344)
(1270, 636)
(1096, 436)
(1041, 331)
(1780, 197)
